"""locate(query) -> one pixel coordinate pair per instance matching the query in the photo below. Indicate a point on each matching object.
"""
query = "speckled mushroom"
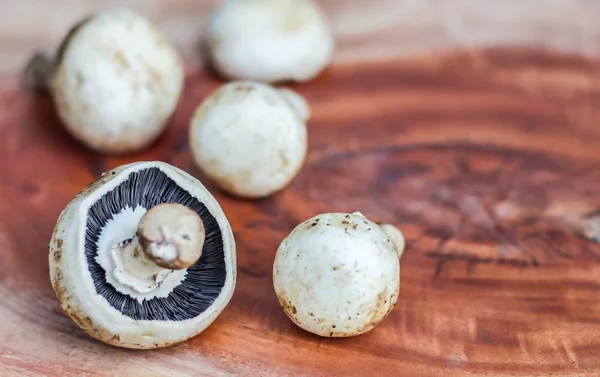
(115, 81)
(269, 40)
(250, 138)
(144, 257)
(338, 274)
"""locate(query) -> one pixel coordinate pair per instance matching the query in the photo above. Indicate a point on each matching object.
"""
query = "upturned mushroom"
(144, 257)
(115, 81)
(250, 138)
(269, 40)
(338, 274)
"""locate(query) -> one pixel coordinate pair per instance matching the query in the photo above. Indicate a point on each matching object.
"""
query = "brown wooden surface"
(365, 30)
(481, 158)
(487, 159)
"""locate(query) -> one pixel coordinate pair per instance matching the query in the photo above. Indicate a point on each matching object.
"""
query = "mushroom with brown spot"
(339, 273)
(115, 80)
(147, 257)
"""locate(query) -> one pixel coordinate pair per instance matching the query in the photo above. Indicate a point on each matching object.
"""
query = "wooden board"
(487, 159)
(365, 30)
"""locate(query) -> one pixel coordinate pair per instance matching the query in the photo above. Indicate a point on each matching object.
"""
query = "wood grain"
(488, 161)
(486, 157)
(372, 30)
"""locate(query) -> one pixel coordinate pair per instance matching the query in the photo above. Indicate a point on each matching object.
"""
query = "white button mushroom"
(144, 257)
(269, 40)
(338, 274)
(250, 138)
(115, 81)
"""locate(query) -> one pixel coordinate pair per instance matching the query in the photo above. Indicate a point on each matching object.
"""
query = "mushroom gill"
(202, 282)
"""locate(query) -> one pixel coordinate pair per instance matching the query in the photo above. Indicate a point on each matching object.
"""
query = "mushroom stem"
(38, 72)
(297, 103)
(396, 237)
(171, 235)
(587, 225)
(591, 229)
(134, 269)
(394, 233)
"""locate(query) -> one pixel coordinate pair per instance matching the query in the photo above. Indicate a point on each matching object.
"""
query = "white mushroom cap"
(116, 81)
(250, 138)
(84, 274)
(269, 40)
(337, 275)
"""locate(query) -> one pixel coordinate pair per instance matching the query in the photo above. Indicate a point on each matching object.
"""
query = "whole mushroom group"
(144, 257)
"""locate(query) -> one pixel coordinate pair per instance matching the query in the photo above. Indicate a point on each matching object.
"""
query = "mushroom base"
(134, 269)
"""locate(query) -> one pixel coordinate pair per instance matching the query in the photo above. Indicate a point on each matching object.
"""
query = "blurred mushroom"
(250, 138)
(144, 257)
(115, 81)
(269, 40)
(338, 274)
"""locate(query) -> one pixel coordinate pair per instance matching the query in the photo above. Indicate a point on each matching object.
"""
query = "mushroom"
(115, 81)
(338, 274)
(269, 40)
(144, 257)
(250, 138)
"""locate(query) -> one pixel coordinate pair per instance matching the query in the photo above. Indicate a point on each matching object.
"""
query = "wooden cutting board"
(487, 158)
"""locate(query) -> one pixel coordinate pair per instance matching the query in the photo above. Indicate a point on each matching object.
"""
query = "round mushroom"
(250, 138)
(269, 40)
(338, 274)
(115, 81)
(144, 257)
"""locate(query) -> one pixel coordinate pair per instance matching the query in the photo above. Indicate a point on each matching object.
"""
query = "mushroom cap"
(249, 138)
(107, 314)
(117, 81)
(337, 275)
(269, 40)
